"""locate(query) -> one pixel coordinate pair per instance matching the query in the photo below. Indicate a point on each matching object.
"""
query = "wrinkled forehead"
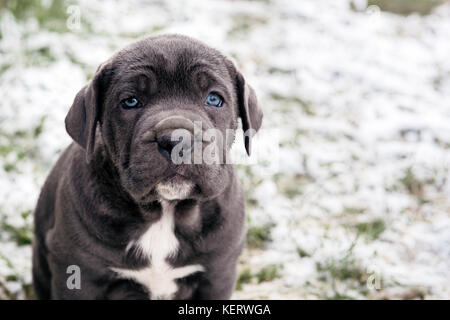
(172, 63)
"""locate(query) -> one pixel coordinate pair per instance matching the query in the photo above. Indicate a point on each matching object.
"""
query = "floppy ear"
(81, 121)
(249, 111)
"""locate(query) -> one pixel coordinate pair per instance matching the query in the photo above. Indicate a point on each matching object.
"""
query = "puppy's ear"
(81, 121)
(249, 111)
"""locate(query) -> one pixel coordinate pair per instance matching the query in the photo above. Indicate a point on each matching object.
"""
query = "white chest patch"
(175, 191)
(159, 243)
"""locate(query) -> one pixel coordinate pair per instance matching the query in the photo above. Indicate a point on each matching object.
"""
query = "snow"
(358, 100)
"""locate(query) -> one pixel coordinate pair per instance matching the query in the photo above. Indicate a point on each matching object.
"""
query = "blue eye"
(131, 102)
(214, 100)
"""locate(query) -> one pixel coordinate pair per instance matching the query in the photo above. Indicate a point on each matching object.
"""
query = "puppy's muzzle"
(167, 143)
(173, 132)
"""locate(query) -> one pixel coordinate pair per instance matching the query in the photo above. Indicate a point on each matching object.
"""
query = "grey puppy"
(117, 210)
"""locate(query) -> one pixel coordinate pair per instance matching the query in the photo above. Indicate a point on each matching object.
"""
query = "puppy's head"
(157, 103)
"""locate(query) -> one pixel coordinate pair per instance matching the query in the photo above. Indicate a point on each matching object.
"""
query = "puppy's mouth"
(175, 188)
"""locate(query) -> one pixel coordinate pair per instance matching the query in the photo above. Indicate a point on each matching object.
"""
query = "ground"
(354, 205)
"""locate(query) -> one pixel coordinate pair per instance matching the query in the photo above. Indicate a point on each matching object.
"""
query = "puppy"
(119, 217)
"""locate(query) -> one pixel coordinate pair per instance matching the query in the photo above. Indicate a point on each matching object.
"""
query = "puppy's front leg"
(218, 281)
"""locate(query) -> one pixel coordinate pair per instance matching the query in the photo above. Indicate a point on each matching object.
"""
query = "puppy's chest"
(158, 244)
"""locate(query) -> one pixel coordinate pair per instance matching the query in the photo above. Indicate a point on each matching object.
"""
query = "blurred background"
(359, 91)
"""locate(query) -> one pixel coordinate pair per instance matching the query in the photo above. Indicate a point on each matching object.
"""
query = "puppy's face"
(157, 103)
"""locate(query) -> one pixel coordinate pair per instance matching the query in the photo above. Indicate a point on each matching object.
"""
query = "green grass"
(40, 57)
(406, 7)
(21, 142)
(265, 274)
(244, 277)
(373, 229)
(412, 183)
(339, 296)
(27, 288)
(415, 185)
(269, 273)
(52, 17)
(353, 210)
(306, 106)
(258, 236)
(8, 167)
(345, 274)
(292, 186)
(276, 70)
(302, 253)
(21, 235)
(38, 129)
(243, 23)
(346, 269)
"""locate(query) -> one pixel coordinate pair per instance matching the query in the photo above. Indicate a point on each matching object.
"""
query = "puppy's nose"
(166, 145)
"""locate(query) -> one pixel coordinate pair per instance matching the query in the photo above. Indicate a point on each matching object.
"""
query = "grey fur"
(101, 193)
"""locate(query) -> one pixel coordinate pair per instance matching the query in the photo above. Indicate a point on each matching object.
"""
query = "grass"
(265, 274)
(353, 210)
(276, 70)
(406, 7)
(415, 185)
(21, 235)
(244, 277)
(49, 14)
(19, 145)
(15, 147)
(302, 253)
(258, 236)
(345, 269)
(40, 57)
(292, 185)
(269, 273)
(403, 7)
(38, 129)
(27, 291)
(306, 106)
(412, 183)
(373, 229)
(243, 23)
(345, 274)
